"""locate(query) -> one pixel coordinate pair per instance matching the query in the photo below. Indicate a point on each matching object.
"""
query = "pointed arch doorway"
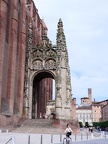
(43, 85)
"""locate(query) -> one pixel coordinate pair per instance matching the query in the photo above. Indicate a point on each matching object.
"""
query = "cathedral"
(29, 64)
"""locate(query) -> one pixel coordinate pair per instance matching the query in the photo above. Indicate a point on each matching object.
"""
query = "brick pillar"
(39, 105)
(73, 105)
(42, 95)
(45, 95)
(3, 48)
(21, 56)
(50, 88)
(13, 37)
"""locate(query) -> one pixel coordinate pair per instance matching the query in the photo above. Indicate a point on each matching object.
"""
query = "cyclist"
(68, 131)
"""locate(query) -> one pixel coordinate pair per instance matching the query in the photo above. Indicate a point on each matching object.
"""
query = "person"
(68, 130)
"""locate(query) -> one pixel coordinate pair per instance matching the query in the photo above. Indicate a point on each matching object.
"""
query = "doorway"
(43, 90)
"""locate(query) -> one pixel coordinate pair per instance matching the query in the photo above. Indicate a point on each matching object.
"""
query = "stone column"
(58, 105)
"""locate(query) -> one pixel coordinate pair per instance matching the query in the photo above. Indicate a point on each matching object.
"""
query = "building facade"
(84, 114)
(104, 110)
(99, 110)
(84, 111)
(29, 63)
(96, 111)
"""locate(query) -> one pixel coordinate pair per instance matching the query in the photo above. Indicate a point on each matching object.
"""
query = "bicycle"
(67, 140)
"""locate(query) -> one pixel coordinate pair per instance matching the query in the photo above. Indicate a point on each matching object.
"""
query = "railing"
(8, 141)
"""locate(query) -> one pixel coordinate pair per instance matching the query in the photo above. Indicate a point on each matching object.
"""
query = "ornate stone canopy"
(52, 59)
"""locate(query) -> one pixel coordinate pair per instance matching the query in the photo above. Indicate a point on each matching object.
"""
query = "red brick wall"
(12, 62)
(14, 20)
(73, 104)
(3, 19)
(21, 56)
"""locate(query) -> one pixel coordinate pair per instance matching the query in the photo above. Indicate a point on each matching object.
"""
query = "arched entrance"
(42, 92)
(46, 61)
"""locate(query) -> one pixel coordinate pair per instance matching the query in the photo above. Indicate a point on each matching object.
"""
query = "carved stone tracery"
(37, 64)
(51, 53)
(50, 64)
(53, 59)
(37, 53)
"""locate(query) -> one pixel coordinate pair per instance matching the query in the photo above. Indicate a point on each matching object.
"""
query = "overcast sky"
(86, 30)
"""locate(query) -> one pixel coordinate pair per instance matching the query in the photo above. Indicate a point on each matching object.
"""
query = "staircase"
(39, 126)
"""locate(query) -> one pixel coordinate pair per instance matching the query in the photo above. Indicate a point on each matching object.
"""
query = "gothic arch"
(44, 59)
(42, 71)
(42, 92)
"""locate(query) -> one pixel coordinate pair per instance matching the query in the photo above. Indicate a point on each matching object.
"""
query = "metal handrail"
(8, 141)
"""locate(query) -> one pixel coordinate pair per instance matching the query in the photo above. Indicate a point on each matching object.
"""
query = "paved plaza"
(96, 141)
(29, 138)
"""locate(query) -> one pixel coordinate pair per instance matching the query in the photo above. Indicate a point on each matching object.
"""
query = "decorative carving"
(37, 64)
(61, 41)
(30, 37)
(58, 91)
(37, 54)
(50, 64)
(46, 57)
(58, 61)
(51, 53)
(67, 100)
(58, 78)
(28, 56)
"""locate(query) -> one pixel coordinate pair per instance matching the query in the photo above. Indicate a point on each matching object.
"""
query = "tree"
(80, 124)
(86, 124)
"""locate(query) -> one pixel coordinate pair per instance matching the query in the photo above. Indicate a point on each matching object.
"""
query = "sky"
(86, 30)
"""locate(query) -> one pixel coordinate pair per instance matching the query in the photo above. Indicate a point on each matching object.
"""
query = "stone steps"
(38, 123)
(39, 126)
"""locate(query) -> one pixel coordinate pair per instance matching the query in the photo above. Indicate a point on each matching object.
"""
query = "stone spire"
(60, 39)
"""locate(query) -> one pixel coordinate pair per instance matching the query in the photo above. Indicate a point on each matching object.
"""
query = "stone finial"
(60, 23)
(60, 39)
